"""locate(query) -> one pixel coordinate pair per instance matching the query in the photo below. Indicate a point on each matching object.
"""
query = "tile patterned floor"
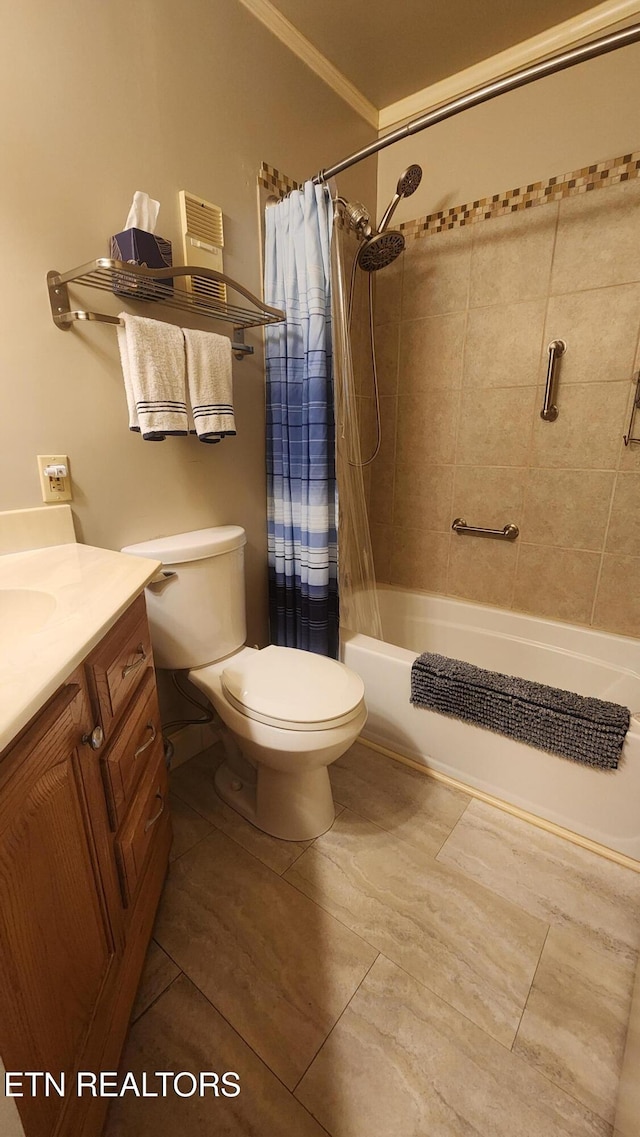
(430, 967)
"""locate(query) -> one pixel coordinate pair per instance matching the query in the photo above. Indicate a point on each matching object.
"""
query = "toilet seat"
(293, 689)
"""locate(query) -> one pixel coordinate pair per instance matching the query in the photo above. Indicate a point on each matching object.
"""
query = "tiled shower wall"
(463, 320)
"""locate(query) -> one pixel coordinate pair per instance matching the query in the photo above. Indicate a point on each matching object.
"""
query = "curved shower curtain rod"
(482, 94)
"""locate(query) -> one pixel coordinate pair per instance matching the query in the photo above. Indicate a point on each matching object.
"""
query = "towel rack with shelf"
(147, 284)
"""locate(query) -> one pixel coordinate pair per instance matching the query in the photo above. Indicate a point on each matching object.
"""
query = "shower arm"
(550, 66)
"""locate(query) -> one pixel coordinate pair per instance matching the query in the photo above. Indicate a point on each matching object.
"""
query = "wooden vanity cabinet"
(84, 842)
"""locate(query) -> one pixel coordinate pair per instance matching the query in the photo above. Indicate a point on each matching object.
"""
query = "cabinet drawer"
(133, 751)
(146, 819)
(120, 663)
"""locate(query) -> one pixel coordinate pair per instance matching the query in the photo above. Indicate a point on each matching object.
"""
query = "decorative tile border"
(537, 193)
(598, 176)
(272, 180)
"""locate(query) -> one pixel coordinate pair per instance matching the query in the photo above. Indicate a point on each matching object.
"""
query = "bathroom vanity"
(84, 825)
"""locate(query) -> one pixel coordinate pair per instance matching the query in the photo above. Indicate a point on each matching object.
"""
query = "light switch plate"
(54, 489)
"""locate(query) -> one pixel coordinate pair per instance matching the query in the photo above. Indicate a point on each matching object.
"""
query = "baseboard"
(506, 807)
(191, 740)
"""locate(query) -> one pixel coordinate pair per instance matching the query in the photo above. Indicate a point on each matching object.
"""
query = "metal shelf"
(139, 283)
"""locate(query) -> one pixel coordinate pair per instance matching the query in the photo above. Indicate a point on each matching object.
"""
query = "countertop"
(56, 604)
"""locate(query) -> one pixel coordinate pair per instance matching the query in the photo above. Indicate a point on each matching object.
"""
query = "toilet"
(289, 714)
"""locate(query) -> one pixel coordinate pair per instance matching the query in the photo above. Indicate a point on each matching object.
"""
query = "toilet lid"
(292, 688)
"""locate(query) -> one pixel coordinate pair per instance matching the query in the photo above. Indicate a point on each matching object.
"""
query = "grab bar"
(549, 410)
(635, 406)
(509, 533)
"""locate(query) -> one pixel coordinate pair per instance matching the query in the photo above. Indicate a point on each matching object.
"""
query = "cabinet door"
(56, 947)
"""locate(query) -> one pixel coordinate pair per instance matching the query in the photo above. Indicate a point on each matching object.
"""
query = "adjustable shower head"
(409, 181)
(380, 249)
(407, 184)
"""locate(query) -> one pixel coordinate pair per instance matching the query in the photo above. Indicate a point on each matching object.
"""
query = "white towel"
(153, 365)
(210, 384)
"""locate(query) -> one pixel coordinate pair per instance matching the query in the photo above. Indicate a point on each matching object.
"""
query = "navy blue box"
(136, 246)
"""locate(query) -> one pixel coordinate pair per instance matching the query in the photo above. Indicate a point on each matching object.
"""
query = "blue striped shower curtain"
(301, 478)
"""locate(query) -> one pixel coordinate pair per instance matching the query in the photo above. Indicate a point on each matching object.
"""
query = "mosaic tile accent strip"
(598, 176)
(275, 182)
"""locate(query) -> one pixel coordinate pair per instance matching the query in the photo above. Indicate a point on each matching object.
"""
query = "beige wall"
(101, 99)
(464, 318)
(557, 124)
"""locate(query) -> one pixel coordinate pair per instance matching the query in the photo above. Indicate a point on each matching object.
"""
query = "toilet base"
(293, 807)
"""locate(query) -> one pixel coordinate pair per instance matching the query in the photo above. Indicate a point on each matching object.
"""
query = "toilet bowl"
(291, 714)
(288, 713)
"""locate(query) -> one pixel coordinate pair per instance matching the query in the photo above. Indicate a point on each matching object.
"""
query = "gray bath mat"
(587, 730)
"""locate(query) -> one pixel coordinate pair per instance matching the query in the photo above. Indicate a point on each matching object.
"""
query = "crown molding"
(289, 35)
(553, 40)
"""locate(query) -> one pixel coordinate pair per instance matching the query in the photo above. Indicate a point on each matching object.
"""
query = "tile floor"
(430, 967)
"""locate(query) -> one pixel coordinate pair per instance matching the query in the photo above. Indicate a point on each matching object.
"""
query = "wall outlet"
(56, 484)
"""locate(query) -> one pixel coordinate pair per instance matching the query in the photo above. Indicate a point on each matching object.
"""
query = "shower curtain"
(359, 611)
(301, 477)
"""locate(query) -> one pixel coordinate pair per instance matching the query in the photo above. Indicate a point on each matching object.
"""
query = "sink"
(24, 610)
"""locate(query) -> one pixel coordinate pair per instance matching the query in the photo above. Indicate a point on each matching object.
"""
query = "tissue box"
(141, 248)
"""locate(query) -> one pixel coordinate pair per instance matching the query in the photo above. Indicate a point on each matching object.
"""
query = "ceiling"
(391, 48)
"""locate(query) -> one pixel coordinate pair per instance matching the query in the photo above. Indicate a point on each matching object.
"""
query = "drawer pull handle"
(152, 820)
(138, 663)
(145, 746)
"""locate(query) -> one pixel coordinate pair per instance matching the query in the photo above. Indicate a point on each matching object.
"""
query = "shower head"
(409, 181)
(407, 184)
(383, 247)
(380, 250)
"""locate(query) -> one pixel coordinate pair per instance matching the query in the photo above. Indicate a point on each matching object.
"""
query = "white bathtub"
(603, 806)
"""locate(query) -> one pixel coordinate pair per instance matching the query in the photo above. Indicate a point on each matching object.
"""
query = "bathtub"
(596, 805)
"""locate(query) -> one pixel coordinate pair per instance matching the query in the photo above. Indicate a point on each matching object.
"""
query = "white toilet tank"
(197, 614)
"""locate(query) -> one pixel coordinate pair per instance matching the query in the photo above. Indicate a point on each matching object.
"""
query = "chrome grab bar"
(508, 533)
(549, 410)
(635, 406)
